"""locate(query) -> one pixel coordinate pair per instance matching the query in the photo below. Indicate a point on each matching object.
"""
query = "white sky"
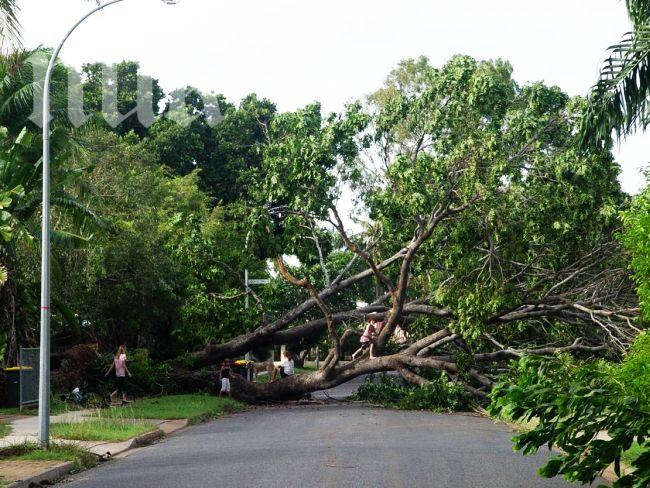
(298, 51)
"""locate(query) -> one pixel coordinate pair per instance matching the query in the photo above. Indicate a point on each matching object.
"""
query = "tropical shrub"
(438, 394)
(148, 376)
(593, 411)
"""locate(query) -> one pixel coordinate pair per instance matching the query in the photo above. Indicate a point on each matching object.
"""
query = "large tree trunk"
(214, 353)
(406, 362)
(573, 295)
(294, 387)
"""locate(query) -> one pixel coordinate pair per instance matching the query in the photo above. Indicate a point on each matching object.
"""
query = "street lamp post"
(44, 372)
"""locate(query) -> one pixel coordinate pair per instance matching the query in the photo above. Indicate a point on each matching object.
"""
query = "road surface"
(329, 446)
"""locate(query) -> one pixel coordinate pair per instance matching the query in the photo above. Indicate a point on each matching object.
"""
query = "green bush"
(438, 394)
(633, 374)
(149, 377)
(441, 394)
(388, 391)
(574, 403)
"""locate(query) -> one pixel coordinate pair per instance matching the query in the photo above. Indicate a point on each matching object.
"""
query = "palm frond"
(21, 81)
(639, 12)
(619, 100)
(9, 24)
(68, 240)
(19, 100)
(80, 213)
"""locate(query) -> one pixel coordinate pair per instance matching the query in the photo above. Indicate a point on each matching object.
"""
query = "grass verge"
(16, 411)
(195, 408)
(5, 430)
(58, 406)
(101, 429)
(57, 452)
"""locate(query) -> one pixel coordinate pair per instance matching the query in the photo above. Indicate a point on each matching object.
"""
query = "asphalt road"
(329, 446)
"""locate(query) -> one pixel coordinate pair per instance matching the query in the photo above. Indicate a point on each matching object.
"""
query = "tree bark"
(214, 353)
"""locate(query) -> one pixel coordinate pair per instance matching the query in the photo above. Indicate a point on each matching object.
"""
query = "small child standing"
(225, 378)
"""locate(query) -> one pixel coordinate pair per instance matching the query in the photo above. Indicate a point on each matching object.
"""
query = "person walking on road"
(225, 378)
(121, 370)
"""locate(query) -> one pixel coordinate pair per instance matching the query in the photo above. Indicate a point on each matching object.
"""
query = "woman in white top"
(286, 365)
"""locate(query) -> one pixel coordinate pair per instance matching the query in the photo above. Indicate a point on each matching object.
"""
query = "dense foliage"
(635, 237)
(594, 411)
(142, 253)
(481, 215)
(439, 394)
(478, 224)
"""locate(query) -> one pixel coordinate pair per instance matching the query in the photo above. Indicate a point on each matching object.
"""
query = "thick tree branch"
(214, 353)
(340, 228)
(334, 337)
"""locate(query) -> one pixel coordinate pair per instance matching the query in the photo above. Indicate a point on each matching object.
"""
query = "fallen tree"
(571, 296)
(490, 235)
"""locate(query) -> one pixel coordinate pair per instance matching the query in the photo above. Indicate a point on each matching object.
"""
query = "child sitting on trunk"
(286, 365)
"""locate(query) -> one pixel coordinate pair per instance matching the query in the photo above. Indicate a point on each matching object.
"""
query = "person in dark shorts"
(366, 339)
(121, 370)
(224, 374)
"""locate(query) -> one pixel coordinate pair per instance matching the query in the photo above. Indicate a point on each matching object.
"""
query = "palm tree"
(619, 100)
(9, 25)
(20, 181)
(20, 197)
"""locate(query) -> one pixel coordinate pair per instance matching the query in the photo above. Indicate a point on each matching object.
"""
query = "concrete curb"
(139, 441)
(50, 475)
(145, 439)
(61, 470)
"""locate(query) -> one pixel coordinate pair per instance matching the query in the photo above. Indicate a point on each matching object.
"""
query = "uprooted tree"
(481, 228)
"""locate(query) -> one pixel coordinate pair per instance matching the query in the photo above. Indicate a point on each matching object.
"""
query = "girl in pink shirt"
(121, 370)
(366, 339)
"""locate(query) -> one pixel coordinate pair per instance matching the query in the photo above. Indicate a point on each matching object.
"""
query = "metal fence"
(29, 363)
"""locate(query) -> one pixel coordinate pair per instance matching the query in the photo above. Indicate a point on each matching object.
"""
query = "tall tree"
(20, 188)
(124, 80)
(227, 153)
(20, 183)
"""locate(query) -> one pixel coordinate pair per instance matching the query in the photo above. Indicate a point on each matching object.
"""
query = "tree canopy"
(455, 205)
